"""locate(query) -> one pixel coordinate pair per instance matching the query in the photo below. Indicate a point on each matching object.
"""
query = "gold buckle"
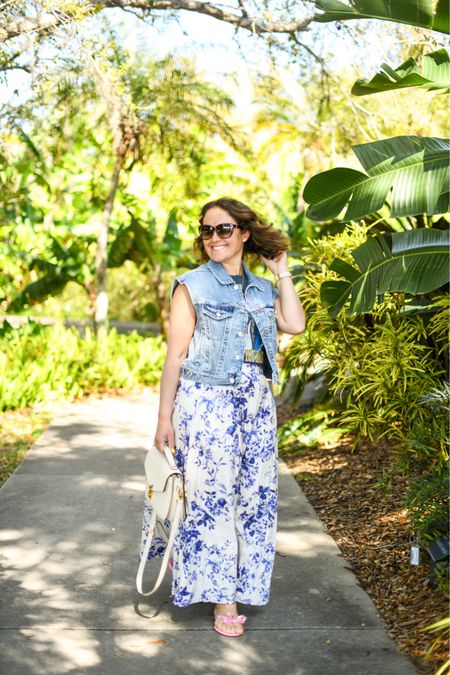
(254, 355)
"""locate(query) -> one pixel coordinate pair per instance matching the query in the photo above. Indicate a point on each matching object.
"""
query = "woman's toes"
(228, 628)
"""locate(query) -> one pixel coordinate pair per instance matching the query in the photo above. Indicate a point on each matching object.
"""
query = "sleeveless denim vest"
(216, 350)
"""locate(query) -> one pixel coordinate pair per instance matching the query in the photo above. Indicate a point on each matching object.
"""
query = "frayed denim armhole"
(182, 280)
(175, 283)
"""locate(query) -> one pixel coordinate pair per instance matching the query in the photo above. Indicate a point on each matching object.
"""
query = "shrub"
(41, 363)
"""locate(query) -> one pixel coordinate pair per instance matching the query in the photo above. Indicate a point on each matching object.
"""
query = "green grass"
(19, 429)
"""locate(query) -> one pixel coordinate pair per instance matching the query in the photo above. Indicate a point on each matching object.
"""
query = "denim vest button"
(236, 287)
(231, 380)
(237, 357)
(241, 334)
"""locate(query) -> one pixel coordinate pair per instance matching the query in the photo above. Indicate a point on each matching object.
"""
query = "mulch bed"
(371, 528)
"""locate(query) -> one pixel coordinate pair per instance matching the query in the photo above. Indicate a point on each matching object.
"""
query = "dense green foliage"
(40, 363)
(387, 368)
(386, 358)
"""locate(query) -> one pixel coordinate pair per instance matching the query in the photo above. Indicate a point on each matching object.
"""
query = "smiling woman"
(256, 237)
(218, 412)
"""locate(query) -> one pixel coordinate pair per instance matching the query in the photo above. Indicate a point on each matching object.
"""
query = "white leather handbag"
(165, 492)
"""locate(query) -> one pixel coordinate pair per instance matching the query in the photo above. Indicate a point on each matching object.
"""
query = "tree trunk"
(101, 303)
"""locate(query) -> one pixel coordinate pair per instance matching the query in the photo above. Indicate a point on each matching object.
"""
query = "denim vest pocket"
(217, 321)
(218, 311)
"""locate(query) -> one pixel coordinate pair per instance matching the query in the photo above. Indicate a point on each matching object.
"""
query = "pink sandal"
(229, 619)
(171, 564)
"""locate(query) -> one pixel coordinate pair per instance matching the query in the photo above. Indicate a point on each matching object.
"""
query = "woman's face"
(224, 250)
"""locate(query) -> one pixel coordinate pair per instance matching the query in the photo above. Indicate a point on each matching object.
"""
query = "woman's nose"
(215, 236)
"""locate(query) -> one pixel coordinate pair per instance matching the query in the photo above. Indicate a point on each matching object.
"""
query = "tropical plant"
(442, 628)
(427, 502)
(158, 104)
(417, 170)
(139, 243)
(70, 261)
(433, 73)
(381, 364)
(412, 262)
(179, 113)
(424, 13)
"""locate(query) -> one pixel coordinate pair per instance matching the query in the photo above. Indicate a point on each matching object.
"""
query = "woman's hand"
(164, 435)
(278, 264)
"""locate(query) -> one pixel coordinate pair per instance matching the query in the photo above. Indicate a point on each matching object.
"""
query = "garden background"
(118, 123)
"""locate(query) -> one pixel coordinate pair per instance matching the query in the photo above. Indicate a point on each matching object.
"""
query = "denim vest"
(216, 350)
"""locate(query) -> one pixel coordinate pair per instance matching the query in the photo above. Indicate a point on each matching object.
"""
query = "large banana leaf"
(413, 12)
(72, 265)
(135, 243)
(171, 241)
(38, 291)
(139, 243)
(434, 73)
(417, 170)
(415, 261)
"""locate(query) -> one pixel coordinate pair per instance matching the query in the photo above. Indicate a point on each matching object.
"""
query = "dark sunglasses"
(224, 230)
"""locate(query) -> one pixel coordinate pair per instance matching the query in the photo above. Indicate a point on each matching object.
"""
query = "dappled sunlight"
(96, 481)
(136, 485)
(400, 515)
(241, 657)
(293, 544)
(139, 643)
(76, 648)
(25, 554)
(10, 535)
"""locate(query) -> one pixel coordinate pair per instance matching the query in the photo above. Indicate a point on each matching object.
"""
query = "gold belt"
(254, 355)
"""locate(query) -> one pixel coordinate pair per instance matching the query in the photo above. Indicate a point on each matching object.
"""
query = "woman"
(217, 410)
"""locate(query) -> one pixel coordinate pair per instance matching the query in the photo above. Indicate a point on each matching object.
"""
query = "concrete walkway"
(71, 518)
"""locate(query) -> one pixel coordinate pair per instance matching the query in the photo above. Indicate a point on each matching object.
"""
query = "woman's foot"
(227, 621)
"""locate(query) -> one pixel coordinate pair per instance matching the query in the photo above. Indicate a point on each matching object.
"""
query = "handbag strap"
(165, 560)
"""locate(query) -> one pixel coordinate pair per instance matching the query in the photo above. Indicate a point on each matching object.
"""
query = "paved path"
(71, 518)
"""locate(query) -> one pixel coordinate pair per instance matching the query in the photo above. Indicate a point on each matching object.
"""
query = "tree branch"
(46, 21)
(3, 68)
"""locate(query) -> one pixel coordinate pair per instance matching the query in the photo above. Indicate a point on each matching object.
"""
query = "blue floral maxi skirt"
(226, 446)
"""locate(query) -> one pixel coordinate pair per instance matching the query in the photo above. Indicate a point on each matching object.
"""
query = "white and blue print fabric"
(226, 446)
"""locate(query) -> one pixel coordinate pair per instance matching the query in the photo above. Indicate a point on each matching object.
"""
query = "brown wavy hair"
(263, 240)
